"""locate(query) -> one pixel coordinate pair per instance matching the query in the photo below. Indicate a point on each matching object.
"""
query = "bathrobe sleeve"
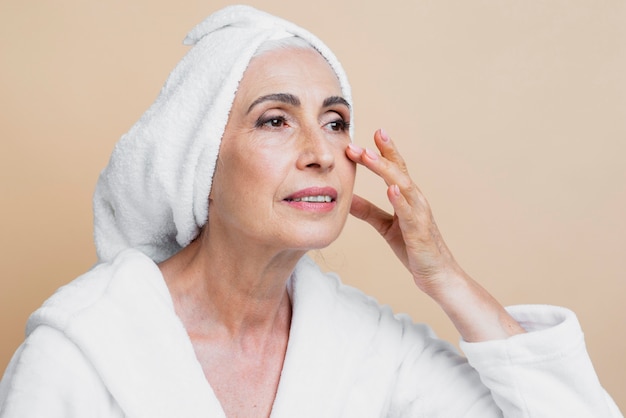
(49, 377)
(543, 373)
(546, 372)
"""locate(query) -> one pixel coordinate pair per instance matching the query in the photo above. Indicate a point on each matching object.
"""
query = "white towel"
(153, 194)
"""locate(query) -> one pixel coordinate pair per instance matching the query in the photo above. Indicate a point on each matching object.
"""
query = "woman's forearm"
(475, 313)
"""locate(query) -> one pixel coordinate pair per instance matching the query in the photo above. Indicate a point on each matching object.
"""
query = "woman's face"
(282, 178)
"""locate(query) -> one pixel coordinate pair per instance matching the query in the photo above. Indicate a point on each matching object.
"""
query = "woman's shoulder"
(47, 372)
(310, 282)
(127, 271)
(325, 295)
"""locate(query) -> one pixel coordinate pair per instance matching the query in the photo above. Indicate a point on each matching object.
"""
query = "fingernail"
(355, 148)
(371, 154)
(383, 135)
(395, 189)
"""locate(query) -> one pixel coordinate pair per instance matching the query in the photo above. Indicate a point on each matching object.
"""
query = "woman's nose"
(315, 150)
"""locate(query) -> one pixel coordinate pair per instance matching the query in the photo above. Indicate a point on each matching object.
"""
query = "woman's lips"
(317, 199)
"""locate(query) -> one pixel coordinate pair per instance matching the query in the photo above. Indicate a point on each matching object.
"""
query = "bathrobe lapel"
(323, 360)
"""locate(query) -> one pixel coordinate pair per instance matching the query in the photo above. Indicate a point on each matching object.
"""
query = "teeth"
(316, 199)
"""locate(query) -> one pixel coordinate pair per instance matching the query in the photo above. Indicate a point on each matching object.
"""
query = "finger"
(409, 219)
(389, 165)
(400, 205)
(376, 163)
(388, 149)
(355, 153)
(370, 213)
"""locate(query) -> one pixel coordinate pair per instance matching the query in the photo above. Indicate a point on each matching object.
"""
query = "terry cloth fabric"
(153, 194)
(93, 351)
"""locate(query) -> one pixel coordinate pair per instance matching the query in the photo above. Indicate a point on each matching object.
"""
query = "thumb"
(370, 213)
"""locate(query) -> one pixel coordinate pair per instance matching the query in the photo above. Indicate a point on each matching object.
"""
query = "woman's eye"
(338, 125)
(274, 122)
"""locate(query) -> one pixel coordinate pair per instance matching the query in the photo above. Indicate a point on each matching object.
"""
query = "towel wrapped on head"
(153, 194)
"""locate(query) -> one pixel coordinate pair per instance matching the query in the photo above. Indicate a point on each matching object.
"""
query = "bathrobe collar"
(122, 318)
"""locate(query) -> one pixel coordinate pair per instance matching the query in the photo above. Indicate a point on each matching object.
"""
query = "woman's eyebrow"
(292, 100)
(335, 100)
(276, 97)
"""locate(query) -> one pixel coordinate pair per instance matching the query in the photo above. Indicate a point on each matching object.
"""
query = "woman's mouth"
(315, 199)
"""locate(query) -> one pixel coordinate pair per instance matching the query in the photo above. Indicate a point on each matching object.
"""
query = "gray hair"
(286, 42)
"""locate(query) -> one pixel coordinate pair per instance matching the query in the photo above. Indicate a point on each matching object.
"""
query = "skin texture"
(287, 137)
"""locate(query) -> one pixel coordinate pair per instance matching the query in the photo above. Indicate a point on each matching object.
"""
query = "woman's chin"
(320, 241)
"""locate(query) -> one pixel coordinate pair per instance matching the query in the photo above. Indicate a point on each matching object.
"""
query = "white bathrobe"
(109, 344)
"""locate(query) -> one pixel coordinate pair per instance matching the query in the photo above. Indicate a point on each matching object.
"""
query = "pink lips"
(315, 199)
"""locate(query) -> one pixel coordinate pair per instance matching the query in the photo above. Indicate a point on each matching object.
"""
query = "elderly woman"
(204, 303)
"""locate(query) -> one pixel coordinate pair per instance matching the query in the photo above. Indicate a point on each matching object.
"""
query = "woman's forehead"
(290, 70)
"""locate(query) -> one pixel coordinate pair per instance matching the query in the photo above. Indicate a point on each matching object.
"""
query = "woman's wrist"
(476, 314)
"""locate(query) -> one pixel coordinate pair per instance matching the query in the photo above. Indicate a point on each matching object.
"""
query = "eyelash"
(343, 125)
(269, 122)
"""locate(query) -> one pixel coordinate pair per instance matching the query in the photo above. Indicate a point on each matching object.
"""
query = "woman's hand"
(411, 231)
(414, 237)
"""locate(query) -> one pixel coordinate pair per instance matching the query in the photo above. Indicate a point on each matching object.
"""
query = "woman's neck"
(230, 292)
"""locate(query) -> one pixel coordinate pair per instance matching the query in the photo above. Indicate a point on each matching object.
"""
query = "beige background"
(512, 116)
